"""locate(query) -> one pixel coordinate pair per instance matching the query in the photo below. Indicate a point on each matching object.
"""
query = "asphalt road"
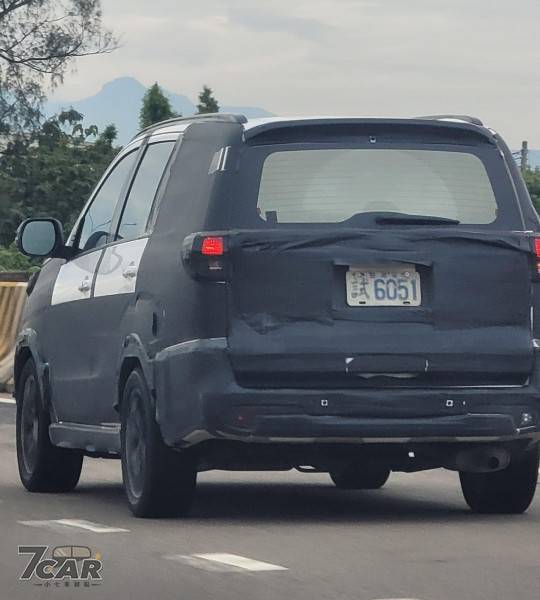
(413, 539)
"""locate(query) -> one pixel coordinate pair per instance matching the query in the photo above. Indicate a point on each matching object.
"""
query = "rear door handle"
(85, 285)
(130, 272)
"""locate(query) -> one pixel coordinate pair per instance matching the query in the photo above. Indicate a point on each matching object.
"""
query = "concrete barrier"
(12, 299)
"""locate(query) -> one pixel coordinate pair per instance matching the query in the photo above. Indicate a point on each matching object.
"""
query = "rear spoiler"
(431, 127)
(457, 118)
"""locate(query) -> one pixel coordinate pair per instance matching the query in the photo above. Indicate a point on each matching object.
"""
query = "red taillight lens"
(536, 245)
(212, 246)
(205, 256)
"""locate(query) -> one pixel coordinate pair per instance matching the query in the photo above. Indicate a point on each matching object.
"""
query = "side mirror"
(40, 237)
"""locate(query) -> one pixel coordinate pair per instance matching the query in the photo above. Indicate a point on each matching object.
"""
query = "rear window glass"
(333, 185)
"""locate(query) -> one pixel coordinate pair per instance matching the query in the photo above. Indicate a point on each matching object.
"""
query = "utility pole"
(524, 155)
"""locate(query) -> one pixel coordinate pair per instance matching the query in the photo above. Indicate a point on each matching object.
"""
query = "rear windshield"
(284, 186)
(329, 186)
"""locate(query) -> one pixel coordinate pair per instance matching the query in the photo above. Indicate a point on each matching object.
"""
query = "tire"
(359, 477)
(509, 491)
(158, 481)
(42, 466)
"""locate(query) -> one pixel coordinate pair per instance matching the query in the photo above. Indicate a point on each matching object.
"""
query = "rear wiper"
(399, 219)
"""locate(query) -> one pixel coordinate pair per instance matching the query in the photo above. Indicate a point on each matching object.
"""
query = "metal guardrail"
(12, 299)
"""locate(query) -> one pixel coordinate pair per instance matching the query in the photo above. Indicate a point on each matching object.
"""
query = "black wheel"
(359, 477)
(42, 466)
(159, 481)
(509, 491)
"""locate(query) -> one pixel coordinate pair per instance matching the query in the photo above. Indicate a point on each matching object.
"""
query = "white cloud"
(372, 57)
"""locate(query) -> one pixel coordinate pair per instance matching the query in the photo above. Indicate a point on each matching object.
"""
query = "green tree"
(52, 171)
(156, 107)
(207, 102)
(12, 260)
(532, 179)
(38, 41)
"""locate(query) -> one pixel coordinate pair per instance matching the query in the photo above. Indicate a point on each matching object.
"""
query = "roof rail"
(466, 118)
(219, 117)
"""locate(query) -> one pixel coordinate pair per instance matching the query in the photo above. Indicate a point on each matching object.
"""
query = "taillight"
(205, 256)
(536, 244)
(213, 246)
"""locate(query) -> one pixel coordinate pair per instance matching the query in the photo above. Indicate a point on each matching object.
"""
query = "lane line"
(242, 562)
(89, 526)
(201, 563)
(78, 523)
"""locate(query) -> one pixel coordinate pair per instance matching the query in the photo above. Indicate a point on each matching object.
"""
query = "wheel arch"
(27, 348)
(133, 356)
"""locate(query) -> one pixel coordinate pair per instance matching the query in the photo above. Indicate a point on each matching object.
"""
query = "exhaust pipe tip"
(482, 460)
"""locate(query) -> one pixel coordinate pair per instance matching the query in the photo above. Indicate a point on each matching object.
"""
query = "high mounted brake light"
(205, 256)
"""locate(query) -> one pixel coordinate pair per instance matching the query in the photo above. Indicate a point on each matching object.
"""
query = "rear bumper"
(197, 398)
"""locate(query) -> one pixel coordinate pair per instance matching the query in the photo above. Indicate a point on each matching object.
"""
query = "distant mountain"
(119, 102)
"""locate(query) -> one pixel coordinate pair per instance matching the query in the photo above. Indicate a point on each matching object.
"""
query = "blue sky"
(363, 57)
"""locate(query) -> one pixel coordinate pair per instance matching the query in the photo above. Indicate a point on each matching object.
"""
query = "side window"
(97, 220)
(139, 203)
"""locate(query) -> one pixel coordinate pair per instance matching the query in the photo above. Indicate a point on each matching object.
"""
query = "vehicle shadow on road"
(308, 503)
(255, 503)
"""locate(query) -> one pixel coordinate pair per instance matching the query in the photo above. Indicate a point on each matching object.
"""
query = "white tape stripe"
(79, 523)
(225, 156)
(7, 401)
(241, 562)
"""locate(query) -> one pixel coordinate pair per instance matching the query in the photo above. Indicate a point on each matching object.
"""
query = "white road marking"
(79, 523)
(234, 560)
(6, 400)
(201, 563)
(223, 563)
(94, 527)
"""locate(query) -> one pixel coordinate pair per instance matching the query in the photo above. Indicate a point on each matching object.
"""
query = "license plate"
(392, 285)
